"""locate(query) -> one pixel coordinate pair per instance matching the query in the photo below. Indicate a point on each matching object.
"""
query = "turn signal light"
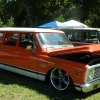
(78, 74)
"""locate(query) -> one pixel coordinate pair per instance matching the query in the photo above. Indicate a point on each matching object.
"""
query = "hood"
(93, 48)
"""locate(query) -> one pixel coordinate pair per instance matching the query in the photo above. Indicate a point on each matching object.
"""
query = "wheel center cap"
(61, 77)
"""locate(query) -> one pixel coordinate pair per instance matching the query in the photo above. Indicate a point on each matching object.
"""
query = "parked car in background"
(82, 36)
(46, 54)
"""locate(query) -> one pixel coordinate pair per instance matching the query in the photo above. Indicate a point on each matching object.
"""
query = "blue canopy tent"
(52, 24)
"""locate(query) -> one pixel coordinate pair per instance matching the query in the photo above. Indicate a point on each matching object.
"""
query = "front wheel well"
(47, 75)
(59, 79)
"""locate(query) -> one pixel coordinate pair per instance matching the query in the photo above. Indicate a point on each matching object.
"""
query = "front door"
(26, 59)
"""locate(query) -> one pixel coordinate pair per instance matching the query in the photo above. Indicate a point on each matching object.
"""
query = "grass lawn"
(17, 87)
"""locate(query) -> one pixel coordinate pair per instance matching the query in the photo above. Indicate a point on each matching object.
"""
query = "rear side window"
(11, 39)
(1, 37)
(90, 37)
(74, 36)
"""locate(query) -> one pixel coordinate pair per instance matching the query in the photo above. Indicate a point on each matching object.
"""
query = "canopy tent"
(75, 24)
(52, 24)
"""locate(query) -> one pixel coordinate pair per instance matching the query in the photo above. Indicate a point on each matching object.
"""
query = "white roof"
(75, 24)
(78, 29)
(29, 30)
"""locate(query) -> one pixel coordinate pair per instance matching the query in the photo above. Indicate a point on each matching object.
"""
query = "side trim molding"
(22, 71)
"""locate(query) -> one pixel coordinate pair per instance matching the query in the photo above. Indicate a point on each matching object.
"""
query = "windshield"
(54, 40)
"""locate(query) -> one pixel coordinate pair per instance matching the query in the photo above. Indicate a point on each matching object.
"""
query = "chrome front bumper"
(88, 86)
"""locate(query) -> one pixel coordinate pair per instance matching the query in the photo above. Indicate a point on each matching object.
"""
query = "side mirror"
(29, 47)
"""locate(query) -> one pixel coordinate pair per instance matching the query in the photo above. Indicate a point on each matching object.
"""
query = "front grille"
(97, 72)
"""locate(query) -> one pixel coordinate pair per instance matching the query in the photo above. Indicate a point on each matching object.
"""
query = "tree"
(89, 11)
(37, 12)
(5, 17)
(31, 13)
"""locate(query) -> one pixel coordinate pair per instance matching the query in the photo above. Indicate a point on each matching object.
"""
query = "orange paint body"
(41, 60)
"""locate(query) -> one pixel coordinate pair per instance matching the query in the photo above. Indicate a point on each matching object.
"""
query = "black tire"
(61, 80)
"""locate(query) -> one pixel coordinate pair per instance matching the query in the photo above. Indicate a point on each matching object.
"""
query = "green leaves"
(32, 13)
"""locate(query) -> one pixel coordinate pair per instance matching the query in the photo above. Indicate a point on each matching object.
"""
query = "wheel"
(60, 79)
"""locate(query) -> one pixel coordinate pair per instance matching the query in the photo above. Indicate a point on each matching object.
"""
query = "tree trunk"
(31, 22)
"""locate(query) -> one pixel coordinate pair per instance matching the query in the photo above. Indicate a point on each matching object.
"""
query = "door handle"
(1, 48)
(16, 52)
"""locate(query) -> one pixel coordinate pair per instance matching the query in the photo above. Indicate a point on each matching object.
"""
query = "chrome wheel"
(59, 79)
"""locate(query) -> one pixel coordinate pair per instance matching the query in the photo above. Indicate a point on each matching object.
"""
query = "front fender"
(74, 69)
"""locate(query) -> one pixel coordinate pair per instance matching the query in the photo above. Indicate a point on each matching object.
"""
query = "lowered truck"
(47, 54)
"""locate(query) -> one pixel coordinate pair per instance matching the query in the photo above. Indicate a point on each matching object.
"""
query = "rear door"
(8, 47)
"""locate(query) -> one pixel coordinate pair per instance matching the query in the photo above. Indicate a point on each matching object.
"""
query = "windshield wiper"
(67, 45)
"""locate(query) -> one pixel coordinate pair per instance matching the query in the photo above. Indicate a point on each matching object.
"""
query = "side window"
(74, 36)
(1, 36)
(11, 39)
(90, 37)
(27, 40)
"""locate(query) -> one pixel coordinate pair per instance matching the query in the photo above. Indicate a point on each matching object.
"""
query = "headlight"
(90, 74)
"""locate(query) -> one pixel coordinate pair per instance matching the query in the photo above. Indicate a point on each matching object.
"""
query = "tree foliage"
(89, 11)
(31, 13)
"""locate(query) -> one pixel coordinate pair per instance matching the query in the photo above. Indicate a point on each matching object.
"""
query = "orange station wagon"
(48, 54)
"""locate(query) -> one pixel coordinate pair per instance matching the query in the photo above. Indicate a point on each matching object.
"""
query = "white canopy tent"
(74, 24)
